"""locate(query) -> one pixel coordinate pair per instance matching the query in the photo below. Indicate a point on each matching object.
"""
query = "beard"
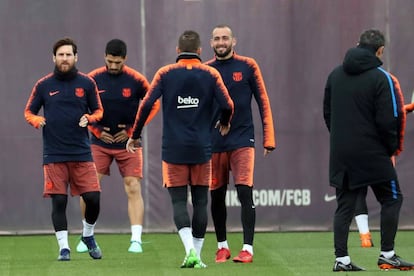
(223, 54)
(64, 67)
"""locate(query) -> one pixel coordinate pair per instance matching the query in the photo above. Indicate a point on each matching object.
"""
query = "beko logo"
(187, 102)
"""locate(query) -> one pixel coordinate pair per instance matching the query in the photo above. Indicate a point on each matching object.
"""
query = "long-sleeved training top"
(120, 95)
(188, 89)
(65, 98)
(243, 79)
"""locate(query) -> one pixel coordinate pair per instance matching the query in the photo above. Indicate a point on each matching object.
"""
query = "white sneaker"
(135, 247)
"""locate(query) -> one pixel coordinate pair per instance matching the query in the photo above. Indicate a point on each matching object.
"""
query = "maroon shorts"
(129, 164)
(177, 175)
(81, 177)
(241, 164)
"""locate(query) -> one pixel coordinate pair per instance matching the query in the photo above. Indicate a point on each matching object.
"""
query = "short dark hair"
(372, 39)
(189, 41)
(65, 41)
(116, 47)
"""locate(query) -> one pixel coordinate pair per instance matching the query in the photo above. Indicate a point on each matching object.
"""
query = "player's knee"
(132, 186)
(91, 198)
(245, 194)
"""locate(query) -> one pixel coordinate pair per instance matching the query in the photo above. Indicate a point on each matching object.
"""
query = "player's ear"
(234, 42)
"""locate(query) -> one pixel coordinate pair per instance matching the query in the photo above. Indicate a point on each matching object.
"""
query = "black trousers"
(388, 194)
(361, 207)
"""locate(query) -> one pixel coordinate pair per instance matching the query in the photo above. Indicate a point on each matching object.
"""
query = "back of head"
(372, 40)
(116, 48)
(65, 41)
(189, 41)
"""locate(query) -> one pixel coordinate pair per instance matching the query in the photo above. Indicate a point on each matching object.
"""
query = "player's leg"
(218, 189)
(56, 177)
(176, 180)
(390, 197)
(242, 167)
(59, 203)
(103, 159)
(361, 219)
(200, 181)
(130, 168)
(86, 184)
(135, 211)
(345, 210)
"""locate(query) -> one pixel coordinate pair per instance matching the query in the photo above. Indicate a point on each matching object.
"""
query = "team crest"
(126, 92)
(237, 76)
(79, 92)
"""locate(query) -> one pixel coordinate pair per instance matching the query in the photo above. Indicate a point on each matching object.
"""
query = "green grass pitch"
(279, 253)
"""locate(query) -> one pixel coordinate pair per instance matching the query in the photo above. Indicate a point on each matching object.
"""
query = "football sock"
(388, 254)
(362, 223)
(62, 239)
(186, 238)
(88, 229)
(223, 244)
(136, 232)
(198, 246)
(248, 248)
(346, 260)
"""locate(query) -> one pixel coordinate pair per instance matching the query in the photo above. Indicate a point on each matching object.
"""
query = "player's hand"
(106, 137)
(42, 123)
(83, 122)
(133, 144)
(223, 129)
(121, 136)
(268, 150)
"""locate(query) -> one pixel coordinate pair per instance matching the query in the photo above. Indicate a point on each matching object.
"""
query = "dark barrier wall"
(296, 43)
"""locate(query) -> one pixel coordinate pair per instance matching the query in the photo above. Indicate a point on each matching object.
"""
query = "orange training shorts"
(80, 176)
(177, 175)
(241, 164)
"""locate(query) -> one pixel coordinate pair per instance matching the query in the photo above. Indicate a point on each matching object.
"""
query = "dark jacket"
(363, 110)
(244, 80)
(188, 89)
(65, 98)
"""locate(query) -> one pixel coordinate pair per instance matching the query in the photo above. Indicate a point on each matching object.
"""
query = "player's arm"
(225, 102)
(262, 99)
(144, 111)
(401, 113)
(95, 106)
(33, 106)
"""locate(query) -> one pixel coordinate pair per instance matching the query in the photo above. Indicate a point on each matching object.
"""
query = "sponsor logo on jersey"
(79, 92)
(126, 92)
(187, 102)
(52, 93)
(237, 76)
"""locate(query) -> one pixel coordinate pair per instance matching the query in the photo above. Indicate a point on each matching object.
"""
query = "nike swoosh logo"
(392, 262)
(329, 198)
(101, 91)
(53, 93)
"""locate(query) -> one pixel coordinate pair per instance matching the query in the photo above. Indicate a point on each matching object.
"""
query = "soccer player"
(120, 88)
(236, 152)
(70, 102)
(364, 112)
(188, 89)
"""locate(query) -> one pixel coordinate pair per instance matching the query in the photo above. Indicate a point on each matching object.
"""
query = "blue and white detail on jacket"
(394, 101)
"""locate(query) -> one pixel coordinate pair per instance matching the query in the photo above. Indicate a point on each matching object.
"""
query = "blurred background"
(295, 42)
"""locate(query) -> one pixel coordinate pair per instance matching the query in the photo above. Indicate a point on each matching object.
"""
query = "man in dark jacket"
(363, 110)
